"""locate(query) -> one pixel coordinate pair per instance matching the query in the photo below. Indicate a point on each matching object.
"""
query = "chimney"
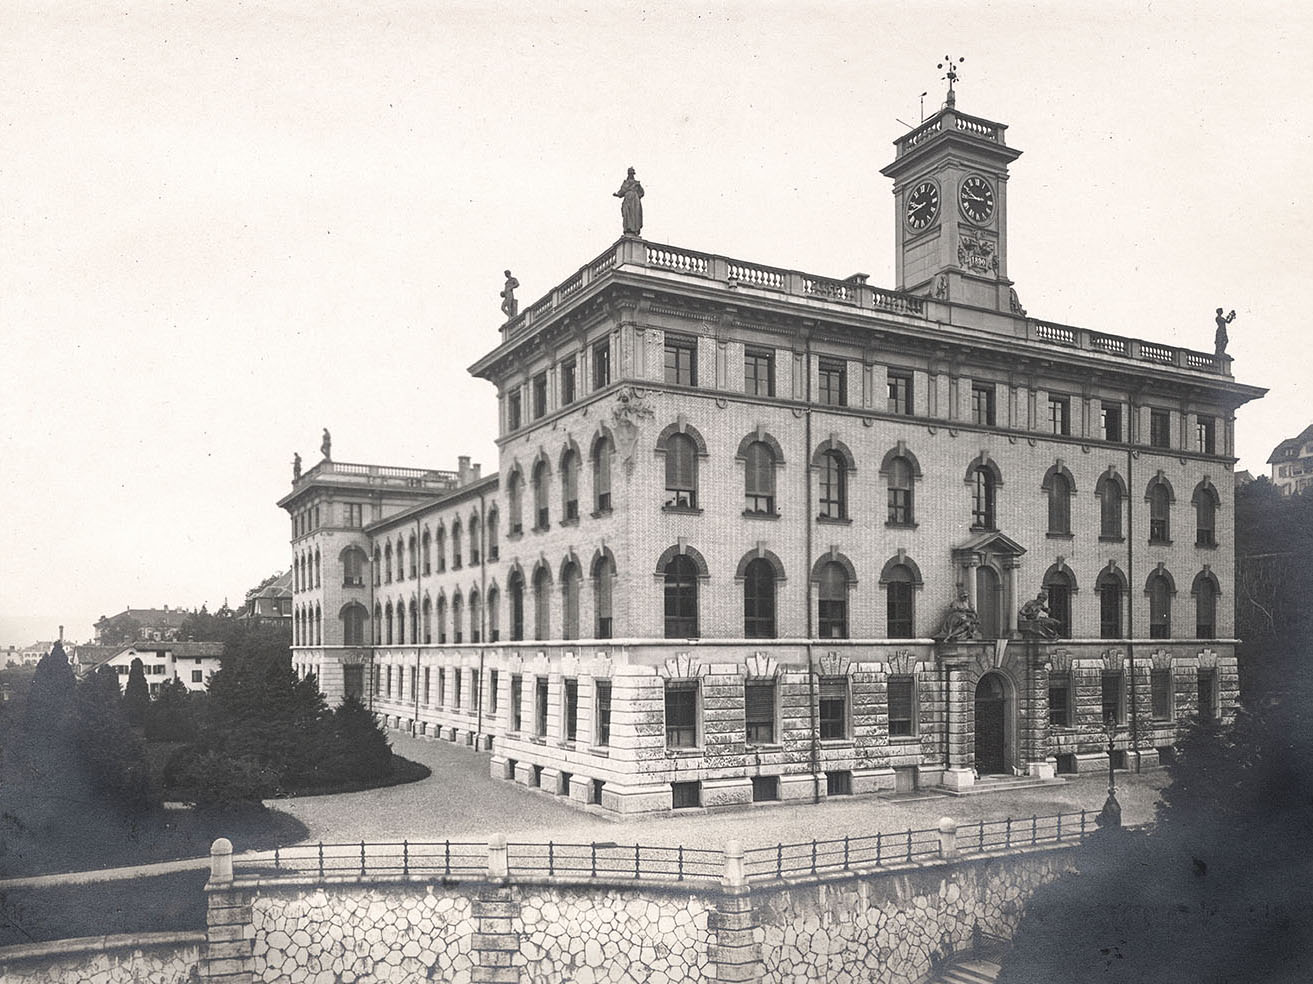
(61, 635)
(463, 471)
(477, 468)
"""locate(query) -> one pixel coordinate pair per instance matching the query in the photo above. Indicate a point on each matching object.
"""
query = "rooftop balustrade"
(346, 473)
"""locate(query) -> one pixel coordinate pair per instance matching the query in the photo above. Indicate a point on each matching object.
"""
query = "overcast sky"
(223, 231)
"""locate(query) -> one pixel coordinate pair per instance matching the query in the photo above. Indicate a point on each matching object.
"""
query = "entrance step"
(998, 784)
(970, 972)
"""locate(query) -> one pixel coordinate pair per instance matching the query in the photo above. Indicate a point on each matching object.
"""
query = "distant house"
(140, 625)
(1292, 463)
(190, 662)
(1244, 477)
(271, 599)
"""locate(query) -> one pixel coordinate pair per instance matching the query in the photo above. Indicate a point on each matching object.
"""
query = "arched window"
(378, 569)
(401, 559)
(602, 454)
(494, 547)
(457, 615)
(759, 479)
(832, 610)
(1059, 584)
(1160, 591)
(899, 610)
(1160, 512)
(378, 622)
(401, 623)
(982, 498)
(414, 622)
(542, 601)
(455, 545)
(353, 568)
(516, 590)
(901, 512)
(681, 472)
(387, 563)
(1111, 492)
(1110, 588)
(414, 560)
(759, 600)
(1205, 515)
(427, 544)
(681, 590)
(515, 502)
(440, 545)
(834, 486)
(474, 541)
(442, 619)
(570, 484)
(1205, 592)
(1059, 505)
(317, 581)
(494, 615)
(387, 617)
(540, 483)
(319, 626)
(427, 612)
(476, 616)
(570, 580)
(603, 584)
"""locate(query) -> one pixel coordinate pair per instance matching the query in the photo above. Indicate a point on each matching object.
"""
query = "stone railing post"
(229, 928)
(496, 940)
(947, 837)
(499, 866)
(735, 955)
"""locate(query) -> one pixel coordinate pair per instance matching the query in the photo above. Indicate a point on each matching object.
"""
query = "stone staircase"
(999, 784)
(971, 971)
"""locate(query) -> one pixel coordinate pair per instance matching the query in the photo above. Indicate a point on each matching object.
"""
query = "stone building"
(734, 503)
(1292, 463)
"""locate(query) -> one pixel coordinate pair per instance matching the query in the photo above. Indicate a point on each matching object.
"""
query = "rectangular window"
(539, 395)
(1059, 415)
(442, 687)
(355, 515)
(765, 789)
(427, 680)
(833, 383)
(540, 710)
(1207, 695)
(571, 709)
(513, 416)
(982, 404)
(1160, 428)
(1206, 428)
(681, 714)
(1112, 422)
(492, 691)
(685, 795)
(1113, 712)
(1059, 701)
(602, 364)
(900, 394)
(567, 383)
(457, 680)
(759, 372)
(902, 706)
(1160, 687)
(839, 783)
(602, 688)
(517, 699)
(353, 680)
(681, 362)
(197, 676)
(759, 713)
(833, 710)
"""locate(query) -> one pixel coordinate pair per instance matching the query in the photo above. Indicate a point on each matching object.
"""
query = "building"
(734, 503)
(271, 599)
(1292, 463)
(145, 624)
(191, 663)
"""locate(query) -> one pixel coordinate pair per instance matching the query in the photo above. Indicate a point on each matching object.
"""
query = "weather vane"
(951, 75)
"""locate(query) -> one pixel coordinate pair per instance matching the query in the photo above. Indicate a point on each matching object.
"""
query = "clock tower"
(950, 201)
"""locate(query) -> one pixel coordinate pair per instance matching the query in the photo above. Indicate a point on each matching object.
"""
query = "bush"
(175, 713)
(212, 779)
(357, 747)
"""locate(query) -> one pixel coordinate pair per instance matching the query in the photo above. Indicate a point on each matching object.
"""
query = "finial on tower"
(951, 76)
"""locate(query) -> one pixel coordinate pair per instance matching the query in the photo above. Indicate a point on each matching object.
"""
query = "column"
(1010, 595)
(958, 773)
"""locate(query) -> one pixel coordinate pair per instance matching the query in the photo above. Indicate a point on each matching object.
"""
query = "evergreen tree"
(137, 699)
(111, 755)
(174, 713)
(357, 749)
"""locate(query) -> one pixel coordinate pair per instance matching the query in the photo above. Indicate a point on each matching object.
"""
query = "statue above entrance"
(1034, 620)
(961, 623)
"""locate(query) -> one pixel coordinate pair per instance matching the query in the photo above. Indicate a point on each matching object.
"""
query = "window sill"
(541, 528)
(770, 746)
(891, 525)
(573, 521)
(684, 510)
(834, 521)
(1160, 543)
(1112, 539)
(1059, 536)
(514, 535)
(832, 743)
(684, 752)
(983, 529)
(1205, 546)
(754, 514)
(599, 513)
(456, 566)
(903, 739)
(601, 751)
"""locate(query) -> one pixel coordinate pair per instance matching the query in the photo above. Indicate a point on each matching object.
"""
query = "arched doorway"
(991, 725)
(989, 602)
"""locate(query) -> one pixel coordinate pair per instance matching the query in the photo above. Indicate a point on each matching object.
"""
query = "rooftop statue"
(296, 466)
(631, 208)
(961, 623)
(1220, 339)
(1034, 620)
(326, 448)
(509, 305)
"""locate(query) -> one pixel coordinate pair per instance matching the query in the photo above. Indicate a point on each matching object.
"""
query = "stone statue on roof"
(509, 305)
(296, 466)
(326, 448)
(631, 207)
(1220, 339)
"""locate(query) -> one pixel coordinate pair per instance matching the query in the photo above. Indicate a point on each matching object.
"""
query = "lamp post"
(1111, 814)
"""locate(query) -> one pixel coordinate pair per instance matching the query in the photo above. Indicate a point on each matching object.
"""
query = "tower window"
(681, 362)
(982, 404)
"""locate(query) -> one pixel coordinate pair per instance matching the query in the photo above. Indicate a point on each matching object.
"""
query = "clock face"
(922, 205)
(976, 198)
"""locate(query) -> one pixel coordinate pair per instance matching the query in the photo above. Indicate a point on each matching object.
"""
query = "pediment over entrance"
(988, 542)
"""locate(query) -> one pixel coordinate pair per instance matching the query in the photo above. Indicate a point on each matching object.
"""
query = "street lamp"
(1111, 814)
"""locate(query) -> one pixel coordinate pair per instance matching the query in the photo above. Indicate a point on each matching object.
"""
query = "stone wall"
(161, 958)
(893, 926)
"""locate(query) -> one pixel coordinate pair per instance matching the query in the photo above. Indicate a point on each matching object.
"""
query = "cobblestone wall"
(887, 927)
(167, 964)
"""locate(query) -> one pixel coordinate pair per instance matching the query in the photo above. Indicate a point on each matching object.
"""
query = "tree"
(357, 749)
(111, 755)
(174, 713)
(137, 699)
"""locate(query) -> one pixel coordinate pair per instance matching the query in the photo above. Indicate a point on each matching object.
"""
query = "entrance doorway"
(988, 602)
(991, 725)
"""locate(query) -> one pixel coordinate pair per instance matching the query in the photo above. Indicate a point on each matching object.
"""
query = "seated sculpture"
(961, 623)
(1034, 620)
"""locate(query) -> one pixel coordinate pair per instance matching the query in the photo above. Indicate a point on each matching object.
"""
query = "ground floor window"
(838, 783)
(759, 713)
(1060, 701)
(603, 691)
(682, 714)
(1160, 686)
(833, 710)
(685, 794)
(902, 706)
(765, 789)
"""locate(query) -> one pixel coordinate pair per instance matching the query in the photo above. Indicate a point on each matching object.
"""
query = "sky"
(224, 228)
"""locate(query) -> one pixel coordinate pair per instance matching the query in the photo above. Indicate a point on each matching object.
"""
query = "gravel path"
(460, 801)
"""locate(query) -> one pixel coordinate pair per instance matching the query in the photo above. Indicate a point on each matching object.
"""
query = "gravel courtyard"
(460, 801)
